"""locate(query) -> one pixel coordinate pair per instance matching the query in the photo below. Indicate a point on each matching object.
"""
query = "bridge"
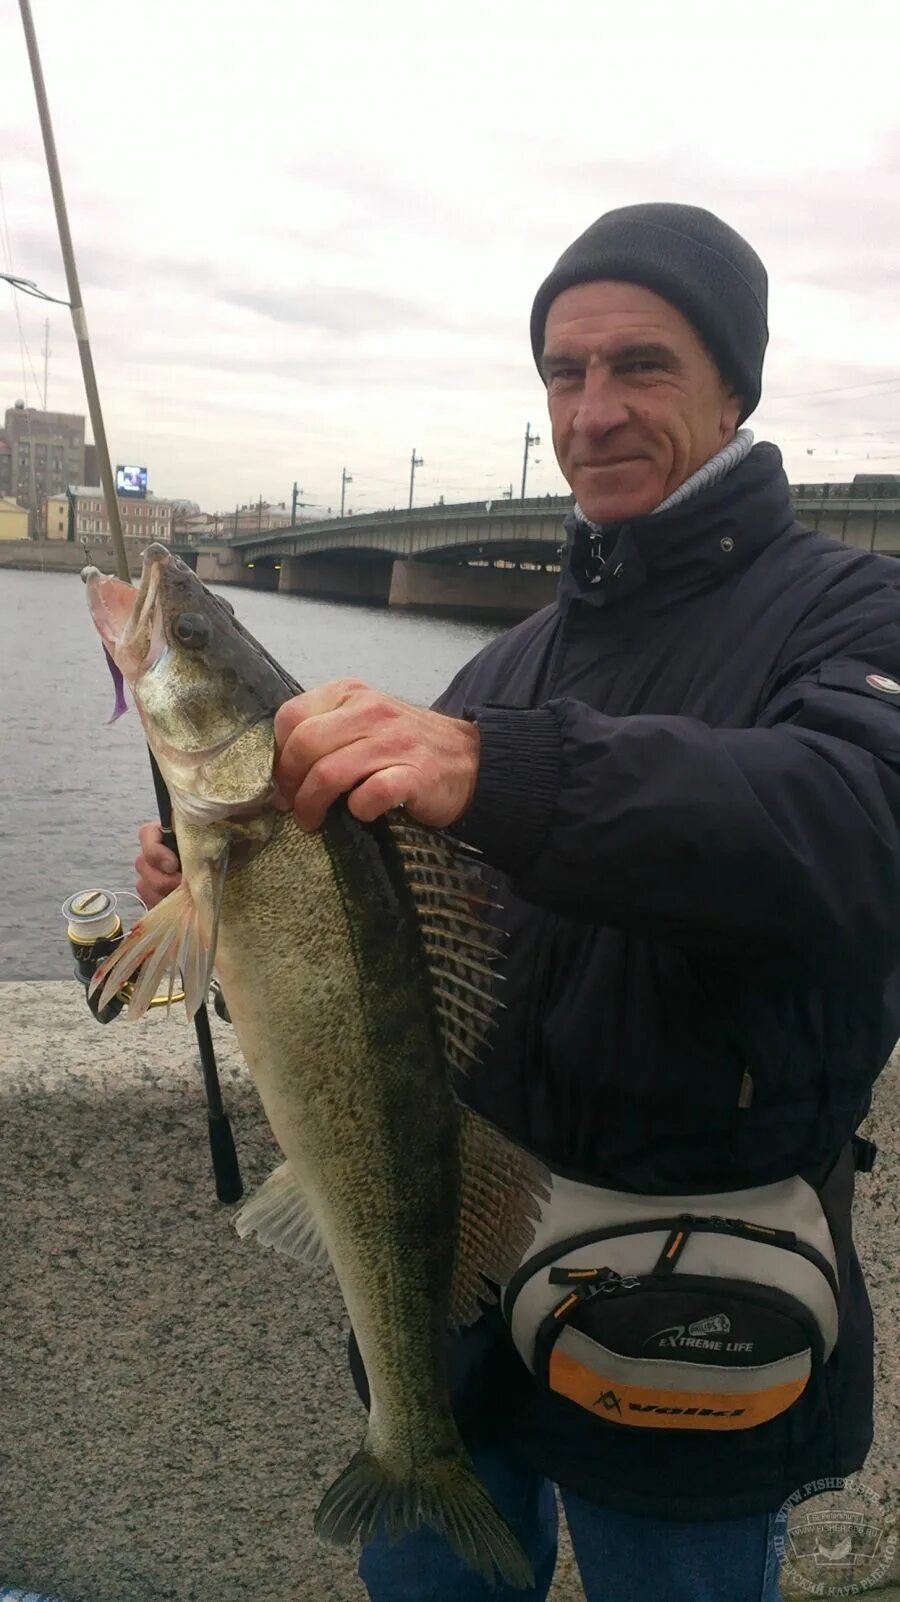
(494, 558)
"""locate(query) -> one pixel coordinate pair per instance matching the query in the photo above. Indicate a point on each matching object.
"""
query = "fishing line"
(117, 894)
(132, 896)
(14, 284)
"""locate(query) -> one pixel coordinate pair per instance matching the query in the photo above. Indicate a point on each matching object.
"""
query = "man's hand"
(345, 737)
(156, 868)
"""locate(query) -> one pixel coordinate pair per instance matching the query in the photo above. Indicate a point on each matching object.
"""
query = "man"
(686, 775)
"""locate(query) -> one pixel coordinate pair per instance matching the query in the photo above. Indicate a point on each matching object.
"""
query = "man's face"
(636, 402)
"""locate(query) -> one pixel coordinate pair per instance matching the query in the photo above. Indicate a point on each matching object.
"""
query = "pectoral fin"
(501, 1188)
(176, 938)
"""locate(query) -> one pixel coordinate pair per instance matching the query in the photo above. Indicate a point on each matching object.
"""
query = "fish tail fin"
(444, 1493)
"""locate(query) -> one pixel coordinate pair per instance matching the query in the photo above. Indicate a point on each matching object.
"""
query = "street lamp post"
(415, 461)
(346, 478)
(530, 439)
(296, 501)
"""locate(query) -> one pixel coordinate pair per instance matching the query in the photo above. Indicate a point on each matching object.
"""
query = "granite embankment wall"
(64, 556)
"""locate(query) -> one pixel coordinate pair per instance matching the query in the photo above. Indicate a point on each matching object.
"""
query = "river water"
(74, 789)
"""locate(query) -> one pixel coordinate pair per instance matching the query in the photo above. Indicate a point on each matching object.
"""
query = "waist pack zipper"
(594, 1281)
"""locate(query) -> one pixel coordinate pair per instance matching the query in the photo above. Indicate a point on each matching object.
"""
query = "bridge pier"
(453, 587)
(338, 578)
(218, 565)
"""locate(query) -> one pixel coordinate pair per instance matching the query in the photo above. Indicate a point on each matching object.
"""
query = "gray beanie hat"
(692, 259)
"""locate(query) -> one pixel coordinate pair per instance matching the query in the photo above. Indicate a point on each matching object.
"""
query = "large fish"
(359, 978)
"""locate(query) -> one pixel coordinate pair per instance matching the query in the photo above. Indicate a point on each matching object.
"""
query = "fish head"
(206, 692)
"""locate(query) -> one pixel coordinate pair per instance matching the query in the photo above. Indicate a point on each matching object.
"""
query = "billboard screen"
(131, 481)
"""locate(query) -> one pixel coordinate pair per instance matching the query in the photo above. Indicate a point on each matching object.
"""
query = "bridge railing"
(876, 490)
(882, 492)
(552, 505)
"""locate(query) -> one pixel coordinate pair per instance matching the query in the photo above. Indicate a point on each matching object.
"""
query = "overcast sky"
(309, 234)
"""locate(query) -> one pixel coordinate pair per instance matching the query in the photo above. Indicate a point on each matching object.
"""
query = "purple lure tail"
(121, 703)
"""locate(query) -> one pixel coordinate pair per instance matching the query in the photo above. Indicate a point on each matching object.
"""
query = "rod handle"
(163, 804)
(229, 1185)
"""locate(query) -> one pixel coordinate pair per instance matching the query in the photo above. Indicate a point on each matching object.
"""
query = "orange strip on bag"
(650, 1407)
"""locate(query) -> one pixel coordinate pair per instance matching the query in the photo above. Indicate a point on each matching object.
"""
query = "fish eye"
(191, 629)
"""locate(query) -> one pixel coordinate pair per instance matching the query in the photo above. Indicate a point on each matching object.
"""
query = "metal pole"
(346, 478)
(530, 439)
(416, 462)
(79, 321)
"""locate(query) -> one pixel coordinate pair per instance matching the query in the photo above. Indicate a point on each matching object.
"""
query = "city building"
(5, 467)
(46, 452)
(91, 474)
(147, 519)
(196, 525)
(253, 519)
(55, 519)
(13, 519)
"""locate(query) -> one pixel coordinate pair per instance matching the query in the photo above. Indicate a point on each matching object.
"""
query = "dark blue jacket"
(690, 785)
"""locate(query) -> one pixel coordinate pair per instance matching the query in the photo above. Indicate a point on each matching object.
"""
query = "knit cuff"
(517, 787)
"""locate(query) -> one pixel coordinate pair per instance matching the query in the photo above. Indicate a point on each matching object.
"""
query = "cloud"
(847, 273)
(341, 312)
(308, 237)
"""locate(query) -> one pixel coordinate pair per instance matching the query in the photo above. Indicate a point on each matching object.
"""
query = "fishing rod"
(88, 921)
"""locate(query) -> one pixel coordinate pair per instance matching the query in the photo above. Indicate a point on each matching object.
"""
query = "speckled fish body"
(358, 981)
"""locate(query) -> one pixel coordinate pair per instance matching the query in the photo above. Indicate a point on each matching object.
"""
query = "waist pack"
(702, 1312)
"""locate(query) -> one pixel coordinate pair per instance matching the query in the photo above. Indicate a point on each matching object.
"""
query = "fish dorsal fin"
(501, 1189)
(461, 947)
(281, 1216)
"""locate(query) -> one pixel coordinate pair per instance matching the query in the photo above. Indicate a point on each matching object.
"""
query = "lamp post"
(530, 439)
(415, 461)
(346, 478)
(296, 501)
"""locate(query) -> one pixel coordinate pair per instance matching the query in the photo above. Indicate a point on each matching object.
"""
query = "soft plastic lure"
(121, 703)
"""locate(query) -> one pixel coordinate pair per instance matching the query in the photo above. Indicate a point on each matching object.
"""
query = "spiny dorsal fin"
(501, 1188)
(281, 1216)
(460, 947)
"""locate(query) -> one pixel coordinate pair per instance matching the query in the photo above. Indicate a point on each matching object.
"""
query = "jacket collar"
(691, 547)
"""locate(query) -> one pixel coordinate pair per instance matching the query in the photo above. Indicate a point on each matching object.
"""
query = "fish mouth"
(128, 620)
